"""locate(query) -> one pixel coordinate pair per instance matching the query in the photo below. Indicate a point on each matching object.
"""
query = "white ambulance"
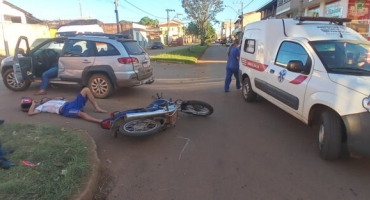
(317, 70)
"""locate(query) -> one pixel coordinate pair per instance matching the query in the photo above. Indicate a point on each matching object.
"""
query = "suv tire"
(11, 84)
(101, 86)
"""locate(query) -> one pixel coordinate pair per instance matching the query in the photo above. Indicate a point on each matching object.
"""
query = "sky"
(129, 10)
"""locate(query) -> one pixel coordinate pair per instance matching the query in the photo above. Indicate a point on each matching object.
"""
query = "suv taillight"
(128, 60)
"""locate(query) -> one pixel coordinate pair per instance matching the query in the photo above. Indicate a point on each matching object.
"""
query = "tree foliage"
(202, 11)
(148, 21)
(192, 29)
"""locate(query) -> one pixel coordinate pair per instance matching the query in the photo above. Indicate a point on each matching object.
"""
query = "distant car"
(157, 45)
(173, 43)
(228, 43)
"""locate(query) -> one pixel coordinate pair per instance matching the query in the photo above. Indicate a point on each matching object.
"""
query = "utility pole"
(116, 11)
(300, 8)
(2, 27)
(80, 9)
(241, 21)
(168, 23)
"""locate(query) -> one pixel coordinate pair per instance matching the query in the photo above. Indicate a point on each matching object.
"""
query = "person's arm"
(32, 110)
(237, 53)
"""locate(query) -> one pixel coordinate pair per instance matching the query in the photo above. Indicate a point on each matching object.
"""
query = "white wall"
(7, 10)
(12, 31)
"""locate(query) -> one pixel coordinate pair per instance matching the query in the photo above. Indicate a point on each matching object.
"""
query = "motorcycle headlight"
(366, 103)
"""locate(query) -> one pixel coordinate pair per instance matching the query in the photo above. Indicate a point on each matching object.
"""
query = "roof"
(171, 22)
(269, 4)
(30, 18)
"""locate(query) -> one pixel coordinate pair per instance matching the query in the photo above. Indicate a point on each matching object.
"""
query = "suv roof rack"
(335, 20)
(109, 35)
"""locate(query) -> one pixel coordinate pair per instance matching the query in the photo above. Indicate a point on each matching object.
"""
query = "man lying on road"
(68, 108)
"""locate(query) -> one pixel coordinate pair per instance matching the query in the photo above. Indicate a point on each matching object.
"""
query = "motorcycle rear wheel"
(140, 127)
(198, 108)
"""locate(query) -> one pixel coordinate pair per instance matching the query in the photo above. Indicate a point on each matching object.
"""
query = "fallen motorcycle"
(159, 115)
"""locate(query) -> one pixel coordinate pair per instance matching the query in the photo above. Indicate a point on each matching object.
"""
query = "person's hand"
(34, 102)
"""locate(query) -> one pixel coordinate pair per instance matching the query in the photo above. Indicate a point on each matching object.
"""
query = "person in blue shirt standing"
(232, 66)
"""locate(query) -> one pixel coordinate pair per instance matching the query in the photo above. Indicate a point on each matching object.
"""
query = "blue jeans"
(52, 72)
(229, 74)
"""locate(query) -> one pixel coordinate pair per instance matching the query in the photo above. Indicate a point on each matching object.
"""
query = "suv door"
(22, 64)
(76, 56)
(287, 87)
(142, 69)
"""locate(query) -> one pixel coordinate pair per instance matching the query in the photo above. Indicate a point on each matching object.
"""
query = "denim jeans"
(52, 72)
(229, 74)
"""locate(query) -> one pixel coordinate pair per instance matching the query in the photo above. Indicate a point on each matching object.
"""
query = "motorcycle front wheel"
(199, 108)
(140, 127)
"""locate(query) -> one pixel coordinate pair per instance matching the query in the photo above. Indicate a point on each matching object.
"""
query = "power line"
(248, 4)
(143, 10)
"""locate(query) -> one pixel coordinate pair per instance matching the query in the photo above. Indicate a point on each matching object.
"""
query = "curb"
(92, 181)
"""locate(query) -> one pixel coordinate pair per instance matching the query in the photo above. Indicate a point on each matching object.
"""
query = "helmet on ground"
(26, 103)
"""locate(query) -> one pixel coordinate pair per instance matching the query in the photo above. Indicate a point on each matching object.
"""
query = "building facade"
(357, 10)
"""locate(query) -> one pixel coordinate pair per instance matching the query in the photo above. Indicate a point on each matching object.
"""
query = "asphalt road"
(243, 151)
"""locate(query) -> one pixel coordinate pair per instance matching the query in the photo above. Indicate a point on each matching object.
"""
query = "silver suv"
(101, 62)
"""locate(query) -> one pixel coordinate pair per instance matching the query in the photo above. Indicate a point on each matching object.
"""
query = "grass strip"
(188, 55)
(63, 156)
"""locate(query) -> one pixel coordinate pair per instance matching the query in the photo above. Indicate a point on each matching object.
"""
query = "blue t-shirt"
(232, 61)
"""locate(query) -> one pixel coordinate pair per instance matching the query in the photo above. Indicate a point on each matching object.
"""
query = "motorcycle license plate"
(173, 118)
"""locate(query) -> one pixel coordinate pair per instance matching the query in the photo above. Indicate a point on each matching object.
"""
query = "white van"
(317, 70)
(71, 30)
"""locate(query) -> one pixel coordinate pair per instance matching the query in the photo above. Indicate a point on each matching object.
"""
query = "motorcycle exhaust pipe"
(130, 116)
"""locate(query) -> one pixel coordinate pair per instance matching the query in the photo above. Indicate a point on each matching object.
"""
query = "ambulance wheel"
(330, 135)
(248, 94)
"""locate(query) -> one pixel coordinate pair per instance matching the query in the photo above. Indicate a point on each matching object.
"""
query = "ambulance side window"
(250, 46)
(292, 51)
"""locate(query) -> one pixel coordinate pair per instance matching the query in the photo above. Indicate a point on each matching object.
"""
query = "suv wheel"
(11, 84)
(100, 86)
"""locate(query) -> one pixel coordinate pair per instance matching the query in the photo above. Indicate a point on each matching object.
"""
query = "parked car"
(228, 43)
(317, 70)
(157, 45)
(101, 62)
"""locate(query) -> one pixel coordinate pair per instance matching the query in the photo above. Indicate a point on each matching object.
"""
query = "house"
(243, 21)
(16, 22)
(268, 10)
(174, 29)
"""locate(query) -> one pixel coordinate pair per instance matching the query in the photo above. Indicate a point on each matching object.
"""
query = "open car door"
(22, 61)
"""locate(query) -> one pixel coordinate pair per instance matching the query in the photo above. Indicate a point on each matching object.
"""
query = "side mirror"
(296, 66)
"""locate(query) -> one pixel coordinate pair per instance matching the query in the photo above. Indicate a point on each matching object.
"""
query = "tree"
(192, 29)
(210, 32)
(202, 11)
(148, 21)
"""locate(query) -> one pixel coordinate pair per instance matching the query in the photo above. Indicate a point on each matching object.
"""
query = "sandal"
(40, 93)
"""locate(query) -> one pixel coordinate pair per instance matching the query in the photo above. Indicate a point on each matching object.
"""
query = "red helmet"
(26, 103)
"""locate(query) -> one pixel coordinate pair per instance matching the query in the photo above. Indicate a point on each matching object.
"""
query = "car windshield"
(344, 57)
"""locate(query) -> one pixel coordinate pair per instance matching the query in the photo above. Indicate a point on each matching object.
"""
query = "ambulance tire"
(248, 94)
(330, 135)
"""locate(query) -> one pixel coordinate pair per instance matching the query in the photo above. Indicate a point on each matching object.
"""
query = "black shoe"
(6, 164)
(7, 151)
(2, 121)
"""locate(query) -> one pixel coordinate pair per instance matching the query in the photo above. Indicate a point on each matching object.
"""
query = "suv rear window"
(132, 47)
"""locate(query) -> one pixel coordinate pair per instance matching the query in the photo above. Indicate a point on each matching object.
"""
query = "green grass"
(56, 148)
(188, 55)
